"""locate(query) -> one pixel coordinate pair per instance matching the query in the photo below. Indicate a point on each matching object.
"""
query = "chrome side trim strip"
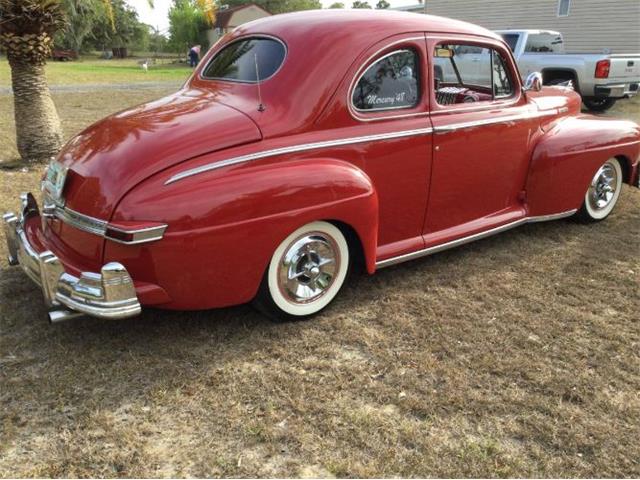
(296, 148)
(490, 121)
(80, 221)
(477, 236)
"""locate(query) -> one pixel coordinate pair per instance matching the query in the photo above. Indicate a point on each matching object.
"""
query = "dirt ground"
(518, 355)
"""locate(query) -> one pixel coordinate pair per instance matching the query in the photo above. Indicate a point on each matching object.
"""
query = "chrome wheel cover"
(308, 267)
(603, 187)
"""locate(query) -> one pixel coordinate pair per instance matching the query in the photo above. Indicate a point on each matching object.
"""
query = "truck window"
(511, 39)
(543, 43)
(470, 73)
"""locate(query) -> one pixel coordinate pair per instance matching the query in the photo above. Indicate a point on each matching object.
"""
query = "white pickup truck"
(600, 78)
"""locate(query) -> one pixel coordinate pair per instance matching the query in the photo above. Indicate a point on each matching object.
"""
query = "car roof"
(311, 24)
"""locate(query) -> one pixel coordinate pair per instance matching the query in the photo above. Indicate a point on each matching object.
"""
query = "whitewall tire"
(305, 273)
(603, 192)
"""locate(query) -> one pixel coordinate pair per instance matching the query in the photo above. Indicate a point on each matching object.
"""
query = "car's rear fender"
(567, 156)
(223, 226)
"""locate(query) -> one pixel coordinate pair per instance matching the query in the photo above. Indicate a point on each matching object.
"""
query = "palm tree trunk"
(38, 129)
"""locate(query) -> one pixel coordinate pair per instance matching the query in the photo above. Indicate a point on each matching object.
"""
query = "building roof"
(418, 7)
(223, 17)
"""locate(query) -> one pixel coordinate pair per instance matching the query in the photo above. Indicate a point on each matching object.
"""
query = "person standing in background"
(194, 55)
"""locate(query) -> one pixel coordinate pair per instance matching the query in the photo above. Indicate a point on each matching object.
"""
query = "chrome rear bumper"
(618, 90)
(108, 294)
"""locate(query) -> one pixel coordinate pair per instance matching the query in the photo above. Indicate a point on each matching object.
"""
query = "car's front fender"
(567, 156)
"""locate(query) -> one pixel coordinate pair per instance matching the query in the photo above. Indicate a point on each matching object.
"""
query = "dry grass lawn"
(518, 355)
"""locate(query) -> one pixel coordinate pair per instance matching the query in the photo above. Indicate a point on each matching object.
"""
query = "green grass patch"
(90, 70)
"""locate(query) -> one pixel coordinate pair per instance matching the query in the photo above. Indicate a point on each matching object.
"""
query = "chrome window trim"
(354, 112)
(407, 107)
(468, 239)
(239, 39)
(294, 149)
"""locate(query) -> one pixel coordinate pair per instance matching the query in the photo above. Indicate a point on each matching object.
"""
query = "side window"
(469, 74)
(543, 43)
(390, 83)
(502, 87)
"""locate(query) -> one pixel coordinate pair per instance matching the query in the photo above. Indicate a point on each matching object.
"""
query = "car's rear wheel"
(596, 104)
(305, 273)
(603, 192)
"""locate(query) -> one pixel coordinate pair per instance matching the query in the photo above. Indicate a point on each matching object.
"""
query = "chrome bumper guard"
(108, 294)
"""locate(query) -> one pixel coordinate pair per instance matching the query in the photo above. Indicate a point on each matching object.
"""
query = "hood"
(110, 157)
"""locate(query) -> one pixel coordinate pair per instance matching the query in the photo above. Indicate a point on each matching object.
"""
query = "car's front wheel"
(305, 273)
(603, 192)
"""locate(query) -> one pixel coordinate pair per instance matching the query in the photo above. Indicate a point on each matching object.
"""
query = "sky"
(157, 16)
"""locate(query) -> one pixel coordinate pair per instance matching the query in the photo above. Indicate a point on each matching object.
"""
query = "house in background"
(587, 25)
(229, 18)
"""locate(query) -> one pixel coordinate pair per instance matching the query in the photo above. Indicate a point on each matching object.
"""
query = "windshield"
(247, 60)
(511, 39)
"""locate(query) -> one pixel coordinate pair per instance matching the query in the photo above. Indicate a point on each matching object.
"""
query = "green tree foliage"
(81, 16)
(382, 4)
(188, 26)
(278, 6)
(360, 4)
(337, 5)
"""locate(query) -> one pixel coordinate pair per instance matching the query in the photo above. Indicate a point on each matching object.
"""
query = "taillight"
(602, 68)
(133, 233)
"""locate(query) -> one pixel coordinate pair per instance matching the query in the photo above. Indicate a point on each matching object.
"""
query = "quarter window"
(245, 60)
(390, 83)
(470, 74)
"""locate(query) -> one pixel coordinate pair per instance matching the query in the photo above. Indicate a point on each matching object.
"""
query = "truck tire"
(595, 104)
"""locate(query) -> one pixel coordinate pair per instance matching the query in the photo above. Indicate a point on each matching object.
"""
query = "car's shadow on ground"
(161, 337)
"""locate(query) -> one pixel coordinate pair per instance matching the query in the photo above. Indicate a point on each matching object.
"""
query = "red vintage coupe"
(304, 142)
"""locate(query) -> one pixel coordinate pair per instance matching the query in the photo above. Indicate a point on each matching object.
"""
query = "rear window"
(543, 43)
(245, 60)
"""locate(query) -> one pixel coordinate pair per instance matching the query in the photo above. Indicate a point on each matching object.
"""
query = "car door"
(482, 129)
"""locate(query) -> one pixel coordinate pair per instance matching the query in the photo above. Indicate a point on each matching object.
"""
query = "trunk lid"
(110, 157)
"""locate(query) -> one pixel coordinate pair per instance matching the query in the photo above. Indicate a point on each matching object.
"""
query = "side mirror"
(533, 82)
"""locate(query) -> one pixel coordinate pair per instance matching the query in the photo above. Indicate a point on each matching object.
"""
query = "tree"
(337, 5)
(188, 25)
(27, 28)
(382, 5)
(81, 16)
(26, 33)
(360, 4)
